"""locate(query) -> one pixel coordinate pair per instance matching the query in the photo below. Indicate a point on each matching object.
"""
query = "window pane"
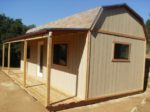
(60, 54)
(121, 51)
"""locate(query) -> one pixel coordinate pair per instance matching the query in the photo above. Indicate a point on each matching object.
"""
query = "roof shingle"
(79, 20)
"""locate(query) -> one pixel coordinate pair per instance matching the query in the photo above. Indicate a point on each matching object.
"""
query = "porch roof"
(42, 32)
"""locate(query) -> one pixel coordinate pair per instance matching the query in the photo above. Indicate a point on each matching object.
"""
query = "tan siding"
(122, 21)
(109, 78)
(32, 62)
(70, 79)
(65, 78)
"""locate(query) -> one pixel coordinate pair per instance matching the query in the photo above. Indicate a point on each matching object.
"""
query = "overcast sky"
(42, 11)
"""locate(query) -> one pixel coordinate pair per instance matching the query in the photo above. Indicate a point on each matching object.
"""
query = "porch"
(37, 89)
(52, 81)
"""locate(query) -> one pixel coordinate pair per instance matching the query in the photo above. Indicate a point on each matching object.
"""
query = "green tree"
(9, 28)
(147, 24)
(148, 28)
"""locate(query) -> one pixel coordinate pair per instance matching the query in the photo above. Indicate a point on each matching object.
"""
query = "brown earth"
(15, 99)
(134, 103)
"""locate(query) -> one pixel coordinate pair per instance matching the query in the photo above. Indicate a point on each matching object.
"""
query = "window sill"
(120, 60)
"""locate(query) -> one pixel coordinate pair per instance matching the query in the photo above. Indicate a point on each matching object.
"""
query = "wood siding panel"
(121, 21)
(110, 78)
(32, 62)
(72, 78)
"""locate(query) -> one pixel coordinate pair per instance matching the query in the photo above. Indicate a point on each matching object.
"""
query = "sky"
(39, 12)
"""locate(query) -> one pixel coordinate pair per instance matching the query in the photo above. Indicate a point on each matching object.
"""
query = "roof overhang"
(42, 32)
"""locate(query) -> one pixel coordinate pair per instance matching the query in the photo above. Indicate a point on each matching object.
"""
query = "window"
(28, 52)
(60, 54)
(121, 51)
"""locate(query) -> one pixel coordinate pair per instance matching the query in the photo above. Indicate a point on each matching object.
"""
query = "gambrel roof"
(81, 20)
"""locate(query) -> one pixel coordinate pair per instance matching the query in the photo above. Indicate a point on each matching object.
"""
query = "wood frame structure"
(25, 61)
(49, 50)
(9, 55)
(47, 34)
(88, 64)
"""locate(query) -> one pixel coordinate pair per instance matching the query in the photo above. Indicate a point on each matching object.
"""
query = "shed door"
(40, 59)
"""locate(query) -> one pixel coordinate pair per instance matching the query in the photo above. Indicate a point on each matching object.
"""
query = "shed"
(92, 55)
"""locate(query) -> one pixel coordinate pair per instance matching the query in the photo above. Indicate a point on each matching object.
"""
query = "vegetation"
(148, 31)
(11, 28)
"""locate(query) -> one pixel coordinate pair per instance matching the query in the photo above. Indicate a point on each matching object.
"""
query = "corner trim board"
(88, 64)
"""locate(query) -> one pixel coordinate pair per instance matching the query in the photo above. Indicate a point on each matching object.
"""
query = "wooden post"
(8, 64)
(3, 56)
(49, 47)
(88, 41)
(25, 61)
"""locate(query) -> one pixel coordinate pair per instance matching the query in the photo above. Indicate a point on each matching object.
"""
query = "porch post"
(25, 56)
(49, 47)
(3, 56)
(8, 64)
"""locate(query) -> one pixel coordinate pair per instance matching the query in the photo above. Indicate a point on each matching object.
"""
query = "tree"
(9, 28)
(148, 28)
(148, 31)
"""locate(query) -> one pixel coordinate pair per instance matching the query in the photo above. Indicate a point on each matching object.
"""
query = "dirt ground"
(15, 99)
(134, 103)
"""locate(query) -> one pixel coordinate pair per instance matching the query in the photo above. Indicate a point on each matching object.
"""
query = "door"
(40, 59)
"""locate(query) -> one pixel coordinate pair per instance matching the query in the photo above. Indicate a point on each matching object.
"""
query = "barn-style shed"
(92, 55)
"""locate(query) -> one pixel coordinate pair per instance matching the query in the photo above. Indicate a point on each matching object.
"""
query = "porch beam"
(25, 61)
(3, 56)
(8, 63)
(15, 41)
(49, 50)
(37, 38)
(21, 40)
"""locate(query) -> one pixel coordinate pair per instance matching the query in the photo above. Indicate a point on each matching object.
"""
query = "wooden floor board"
(37, 89)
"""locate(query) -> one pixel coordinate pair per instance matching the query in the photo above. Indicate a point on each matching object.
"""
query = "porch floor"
(37, 89)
